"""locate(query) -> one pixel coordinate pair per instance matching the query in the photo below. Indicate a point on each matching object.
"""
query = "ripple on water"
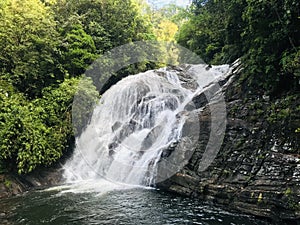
(63, 206)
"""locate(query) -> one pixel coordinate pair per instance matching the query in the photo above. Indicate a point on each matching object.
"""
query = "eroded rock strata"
(257, 169)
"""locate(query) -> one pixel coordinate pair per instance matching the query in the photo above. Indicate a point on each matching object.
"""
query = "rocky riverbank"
(12, 184)
(257, 169)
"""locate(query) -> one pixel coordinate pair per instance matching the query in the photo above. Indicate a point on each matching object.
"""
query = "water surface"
(126, 206)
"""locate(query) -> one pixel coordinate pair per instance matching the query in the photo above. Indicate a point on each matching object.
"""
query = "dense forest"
(264, 33)
(46, 46)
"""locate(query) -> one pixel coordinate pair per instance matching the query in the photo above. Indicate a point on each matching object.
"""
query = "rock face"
(12, 184)
(257, 169)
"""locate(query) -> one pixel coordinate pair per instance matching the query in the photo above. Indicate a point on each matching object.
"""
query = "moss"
(253, 118)
(239, 143)
(283, 109)
(7, 183)
(292, 204)
(296, 206)
(260, 156)
(260, 198)
(260, 112)
(255, 105)
(226, 173)
(234, 110)
(288, 192)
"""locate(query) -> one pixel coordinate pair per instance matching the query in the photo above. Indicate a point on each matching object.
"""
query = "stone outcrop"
(257, 169)
(12, 184)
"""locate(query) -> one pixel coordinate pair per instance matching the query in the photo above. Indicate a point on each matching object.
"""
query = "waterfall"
(134, 123)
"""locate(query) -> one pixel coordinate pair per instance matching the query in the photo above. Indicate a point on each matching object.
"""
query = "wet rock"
(168, 151)
(151, 138)
(116, 126)
(247, 175)
(200, 100)
(14, 184)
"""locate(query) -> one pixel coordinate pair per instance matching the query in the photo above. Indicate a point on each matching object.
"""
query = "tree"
(264, 34)
(37, 133)
(269, 41)
(166, 31)
(78, 50)
(110, 23)
(28, 45)
(46, 45)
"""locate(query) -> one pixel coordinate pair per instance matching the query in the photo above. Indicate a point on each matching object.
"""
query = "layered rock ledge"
(257, 169)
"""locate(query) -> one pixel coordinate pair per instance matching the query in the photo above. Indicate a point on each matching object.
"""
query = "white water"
(134, 122)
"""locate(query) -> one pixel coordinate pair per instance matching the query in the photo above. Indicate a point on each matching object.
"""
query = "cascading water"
(135, 121)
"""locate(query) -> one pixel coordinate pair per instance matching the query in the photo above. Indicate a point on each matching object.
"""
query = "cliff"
(257, 169)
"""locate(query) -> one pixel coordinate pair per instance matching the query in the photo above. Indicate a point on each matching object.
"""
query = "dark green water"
(131, 206)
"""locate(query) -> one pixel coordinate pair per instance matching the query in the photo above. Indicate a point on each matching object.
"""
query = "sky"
(177, 2)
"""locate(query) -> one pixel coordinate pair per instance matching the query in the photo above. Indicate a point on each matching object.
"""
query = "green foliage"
(28, 45)
(260, 198)
(290, 62)
(110, 23)
(36, 132)
(284, 109)
(84, 102)
(7, 183)
(268, 38)
(265, 34)
(288, 192)
(46, 46)
(78, 51)
(214, 29)
(167, 20)
(91, 28)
